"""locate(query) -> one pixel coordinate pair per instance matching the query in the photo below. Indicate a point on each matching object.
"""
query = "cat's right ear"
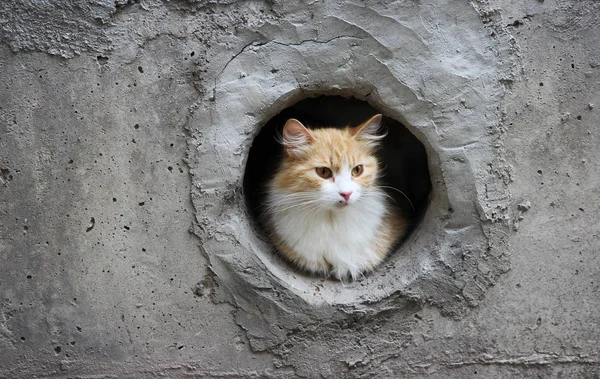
(296, 138)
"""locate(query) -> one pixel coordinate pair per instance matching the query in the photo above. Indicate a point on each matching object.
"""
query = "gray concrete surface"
(125, 249)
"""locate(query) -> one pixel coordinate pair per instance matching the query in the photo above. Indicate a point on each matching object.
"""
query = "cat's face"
(329, 168)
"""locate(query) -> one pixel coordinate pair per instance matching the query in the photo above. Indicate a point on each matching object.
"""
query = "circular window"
(402, 163)
(446, 92)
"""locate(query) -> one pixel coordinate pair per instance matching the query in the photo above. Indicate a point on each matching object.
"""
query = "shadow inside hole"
(403, 157)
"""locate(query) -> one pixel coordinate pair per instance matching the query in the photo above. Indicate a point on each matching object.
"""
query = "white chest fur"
(344, 237)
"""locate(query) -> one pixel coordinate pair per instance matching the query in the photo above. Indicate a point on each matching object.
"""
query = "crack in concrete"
(254, 43)
(214, 95)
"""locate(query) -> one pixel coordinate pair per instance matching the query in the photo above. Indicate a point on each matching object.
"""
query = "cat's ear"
(369, 130)
(296, 138)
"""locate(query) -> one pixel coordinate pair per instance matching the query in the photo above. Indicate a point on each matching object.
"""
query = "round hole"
(402, 157)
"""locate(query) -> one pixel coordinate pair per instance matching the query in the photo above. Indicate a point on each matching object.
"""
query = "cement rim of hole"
(447, 261)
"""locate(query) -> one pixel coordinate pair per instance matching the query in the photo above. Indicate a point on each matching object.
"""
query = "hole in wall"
(403, 158)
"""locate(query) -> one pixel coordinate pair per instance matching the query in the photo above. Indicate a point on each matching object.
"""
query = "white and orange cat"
(326, 211)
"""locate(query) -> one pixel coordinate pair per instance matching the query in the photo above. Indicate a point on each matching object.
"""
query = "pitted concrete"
(125, 246)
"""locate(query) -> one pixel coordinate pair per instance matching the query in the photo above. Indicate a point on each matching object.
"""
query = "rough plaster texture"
(125, 246)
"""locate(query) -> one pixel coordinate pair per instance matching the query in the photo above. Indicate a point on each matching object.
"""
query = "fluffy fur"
(325, 213)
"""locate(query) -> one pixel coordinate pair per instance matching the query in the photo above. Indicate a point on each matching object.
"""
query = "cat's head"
(332, 168)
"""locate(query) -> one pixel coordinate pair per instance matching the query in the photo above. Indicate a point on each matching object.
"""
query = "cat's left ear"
(370, 129)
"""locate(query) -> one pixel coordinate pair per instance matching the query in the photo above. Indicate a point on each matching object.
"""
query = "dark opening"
(403, 157)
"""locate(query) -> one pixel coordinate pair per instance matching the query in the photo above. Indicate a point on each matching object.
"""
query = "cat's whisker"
(295, 195)
(284, 207)
(403, 194)
(380, 193)
(292, 198)
(289, 203)
(307, 200)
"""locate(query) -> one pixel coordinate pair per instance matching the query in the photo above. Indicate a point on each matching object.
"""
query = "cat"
(325, 209)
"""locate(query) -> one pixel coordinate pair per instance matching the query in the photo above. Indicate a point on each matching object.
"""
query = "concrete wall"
(125, 246)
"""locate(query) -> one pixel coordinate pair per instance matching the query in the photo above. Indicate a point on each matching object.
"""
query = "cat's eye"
(356, 171)
(324, 172)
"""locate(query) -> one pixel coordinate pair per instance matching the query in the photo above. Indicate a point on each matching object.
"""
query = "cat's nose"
(346, 195)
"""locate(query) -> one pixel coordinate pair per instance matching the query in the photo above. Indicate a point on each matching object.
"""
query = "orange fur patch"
(332, 148)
